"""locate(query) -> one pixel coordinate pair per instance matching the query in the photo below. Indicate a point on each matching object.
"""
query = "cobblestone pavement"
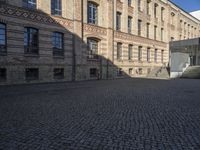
(138, 114)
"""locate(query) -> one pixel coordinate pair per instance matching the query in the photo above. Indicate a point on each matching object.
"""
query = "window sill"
(58, 57)
(31, 55)
(92, 59)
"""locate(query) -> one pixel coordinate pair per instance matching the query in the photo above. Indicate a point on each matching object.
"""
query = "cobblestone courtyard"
(139, 114)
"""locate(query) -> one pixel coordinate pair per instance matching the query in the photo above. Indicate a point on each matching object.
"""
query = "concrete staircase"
(159, 72)
(192, 72)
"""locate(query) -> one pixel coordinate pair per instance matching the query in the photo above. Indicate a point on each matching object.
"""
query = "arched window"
(2, 38)
(92, 48)
(58, 44)
(92, 13)
(31, 41)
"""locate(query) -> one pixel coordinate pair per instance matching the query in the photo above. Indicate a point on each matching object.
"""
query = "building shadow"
(80, 60)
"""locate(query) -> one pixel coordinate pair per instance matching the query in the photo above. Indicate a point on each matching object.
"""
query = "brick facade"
(175, 23)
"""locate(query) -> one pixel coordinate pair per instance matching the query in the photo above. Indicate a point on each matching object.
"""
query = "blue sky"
(188, 5)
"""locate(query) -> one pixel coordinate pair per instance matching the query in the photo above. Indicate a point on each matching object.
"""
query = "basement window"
(2, 74)
(32, 74)
(58, 73)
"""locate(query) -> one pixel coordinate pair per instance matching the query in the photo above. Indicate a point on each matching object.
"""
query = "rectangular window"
(155, 32)
(155, 10)
(162, 13)
(162, 56)
(56, 7)
(32, 74)
(2, 39)
(119, 72)
(148, 30)
(119, 51)
(30, 4)
(129, 2)
(139, 5)
(31, 41)
(93, 73)
(140, 53)
(58, 44)
(92, 48)
(130, 52)
(162, 31)
(130, 71)
(58, 73)
(118, 21)
(139, 27)
(148, 54)
(155, 55)
(129, 24)
(140, 71)
(3, 74)
(92, 13)
(148, 6)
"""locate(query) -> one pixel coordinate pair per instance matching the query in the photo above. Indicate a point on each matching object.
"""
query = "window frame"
(4, 52)
(26, 48)
(118, 21)
(130, 52)
(93, 19)
(29, 4)
(119, 51)
(56, 50)
(130, 24)
(139, 53)
(93, 53)
(55, 10)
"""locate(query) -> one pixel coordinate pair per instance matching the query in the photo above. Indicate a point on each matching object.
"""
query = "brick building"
(65, 40)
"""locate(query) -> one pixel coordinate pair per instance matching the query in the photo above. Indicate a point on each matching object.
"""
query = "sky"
(188, 5)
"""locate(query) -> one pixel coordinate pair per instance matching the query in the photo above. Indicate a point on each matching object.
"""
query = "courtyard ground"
(135, 114)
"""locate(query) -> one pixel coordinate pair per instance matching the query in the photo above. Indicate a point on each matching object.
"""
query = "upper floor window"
(129, 2)
(148, 54)
(139, 27)
(92, 48)
(56, 7)
(118, 21)
(139, 5)
(139, 53)
(129, 24)
(119, 51)
(162, 13)
(155, 55)
(92, 13)
(148, 25)
(155, 10)
(31, 42)
(30, 4)
(162, 32)
(148, 7)
(58, 44)
(162, 56)
(130, 52)
(2, 38)
(155, 32)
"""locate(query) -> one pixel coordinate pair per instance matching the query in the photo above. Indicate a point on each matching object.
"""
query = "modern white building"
(196, 14)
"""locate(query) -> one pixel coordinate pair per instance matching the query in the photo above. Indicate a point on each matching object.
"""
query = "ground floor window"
(3, 74)
(130, 71)
(119, 72)
(58, 73)
(93, 72)
(32, 74)
(140, 71)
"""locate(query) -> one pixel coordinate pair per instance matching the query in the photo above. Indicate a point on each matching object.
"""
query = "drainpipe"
(74, 48)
